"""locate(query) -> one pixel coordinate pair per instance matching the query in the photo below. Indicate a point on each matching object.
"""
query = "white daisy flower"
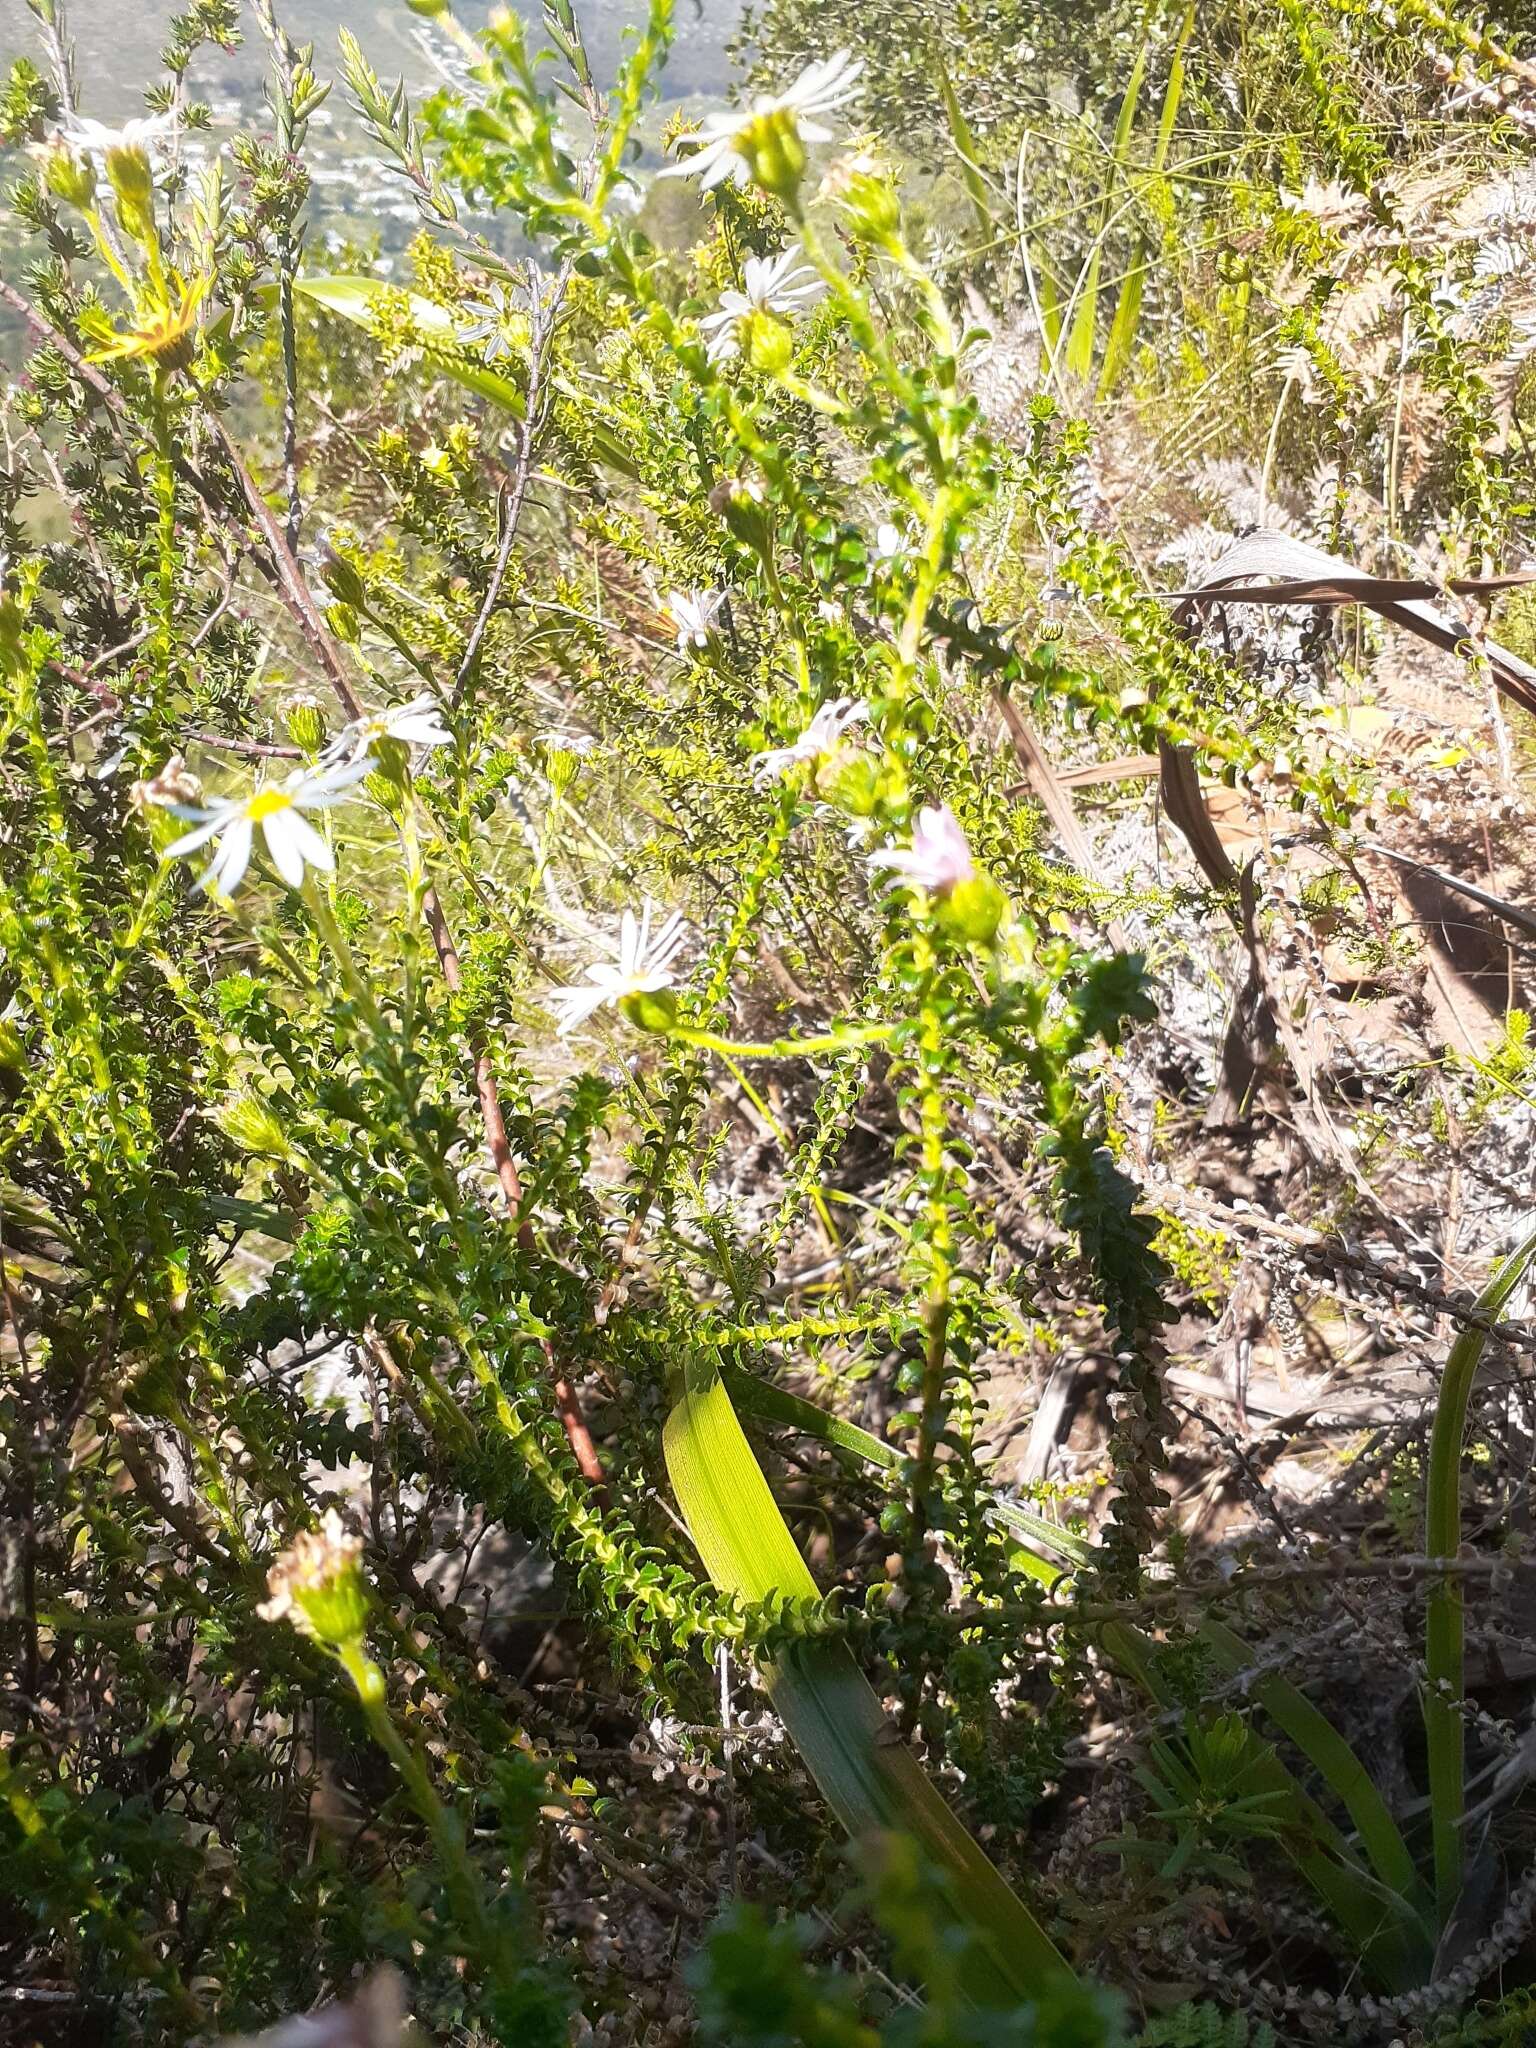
(769, 284)
(96, 139)
(820, 89)
(694, 613)
(938, 858)
(641, 965)
(278, 808)
(418, 723)
(819, 737)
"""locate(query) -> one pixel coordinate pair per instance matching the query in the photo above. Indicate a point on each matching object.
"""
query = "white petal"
(189, 842)
(227, 871)
(283, 845)
(291, 841)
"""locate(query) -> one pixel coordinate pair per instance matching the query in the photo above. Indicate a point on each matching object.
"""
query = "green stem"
(464, 1888)
(784, 1048)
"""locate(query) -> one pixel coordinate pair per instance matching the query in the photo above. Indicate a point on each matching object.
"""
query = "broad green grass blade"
(1123, 328)
(1078, 358)
(871, 1781)
(1444, 1619)
(776, 1404)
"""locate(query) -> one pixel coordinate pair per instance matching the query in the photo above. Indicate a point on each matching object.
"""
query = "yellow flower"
(164, 328)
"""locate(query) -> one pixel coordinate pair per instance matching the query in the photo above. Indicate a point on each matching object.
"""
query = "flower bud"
(70, 177)
(560, 765)
(851, 779)
(772, 150)
(342, 580)
(872, 209)
(387, 784)
(973, 909)
(767, 342)
(255, 1127)
(318, 1585)
(653, 1009)
(129, 174)
(304, 721)
(741, 503)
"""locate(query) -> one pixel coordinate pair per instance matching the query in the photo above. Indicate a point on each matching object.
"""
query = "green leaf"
(777, 1404)
(1122, 333)
(1444, 1621)
(1390, 1937)
(965, 149)
(868, 1777)
(1335, 1763)
(1078, 356)
(360, 299)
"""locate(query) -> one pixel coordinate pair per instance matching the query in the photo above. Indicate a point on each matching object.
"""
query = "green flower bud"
(391, 761)
(255, 1127)
(304, 721)
(344, 623)
(560, 765)
(342, 580)
(130, 177)
(318, 1585)
(651, 1009)
(742, 504)
(767, 342)
(851, 779)
(386, 789)
(973, 910)
(69, 177)
(774, 154)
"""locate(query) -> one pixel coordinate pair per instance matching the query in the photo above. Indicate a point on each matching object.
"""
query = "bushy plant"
(431, 831)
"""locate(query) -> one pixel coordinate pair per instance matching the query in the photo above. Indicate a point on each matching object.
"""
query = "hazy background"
(355, 202)
(119, 41)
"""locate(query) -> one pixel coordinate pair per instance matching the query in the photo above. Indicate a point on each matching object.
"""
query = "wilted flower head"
(819, 737)
(277, 807)
(172, 787)
(939, 857)
(318, 1585)
(738, 145)
(641, 966)
(769, 284)
(694, 613)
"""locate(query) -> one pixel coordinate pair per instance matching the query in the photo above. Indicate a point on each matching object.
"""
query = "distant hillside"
(118, 42)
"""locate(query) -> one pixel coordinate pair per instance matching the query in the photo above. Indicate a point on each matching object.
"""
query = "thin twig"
(542, 315)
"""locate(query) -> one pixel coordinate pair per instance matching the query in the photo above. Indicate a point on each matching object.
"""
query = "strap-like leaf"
(865, 1772)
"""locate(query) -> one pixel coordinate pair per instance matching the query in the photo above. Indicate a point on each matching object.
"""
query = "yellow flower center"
(266, 803)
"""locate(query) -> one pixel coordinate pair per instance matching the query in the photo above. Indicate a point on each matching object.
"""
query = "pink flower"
(938, 857)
